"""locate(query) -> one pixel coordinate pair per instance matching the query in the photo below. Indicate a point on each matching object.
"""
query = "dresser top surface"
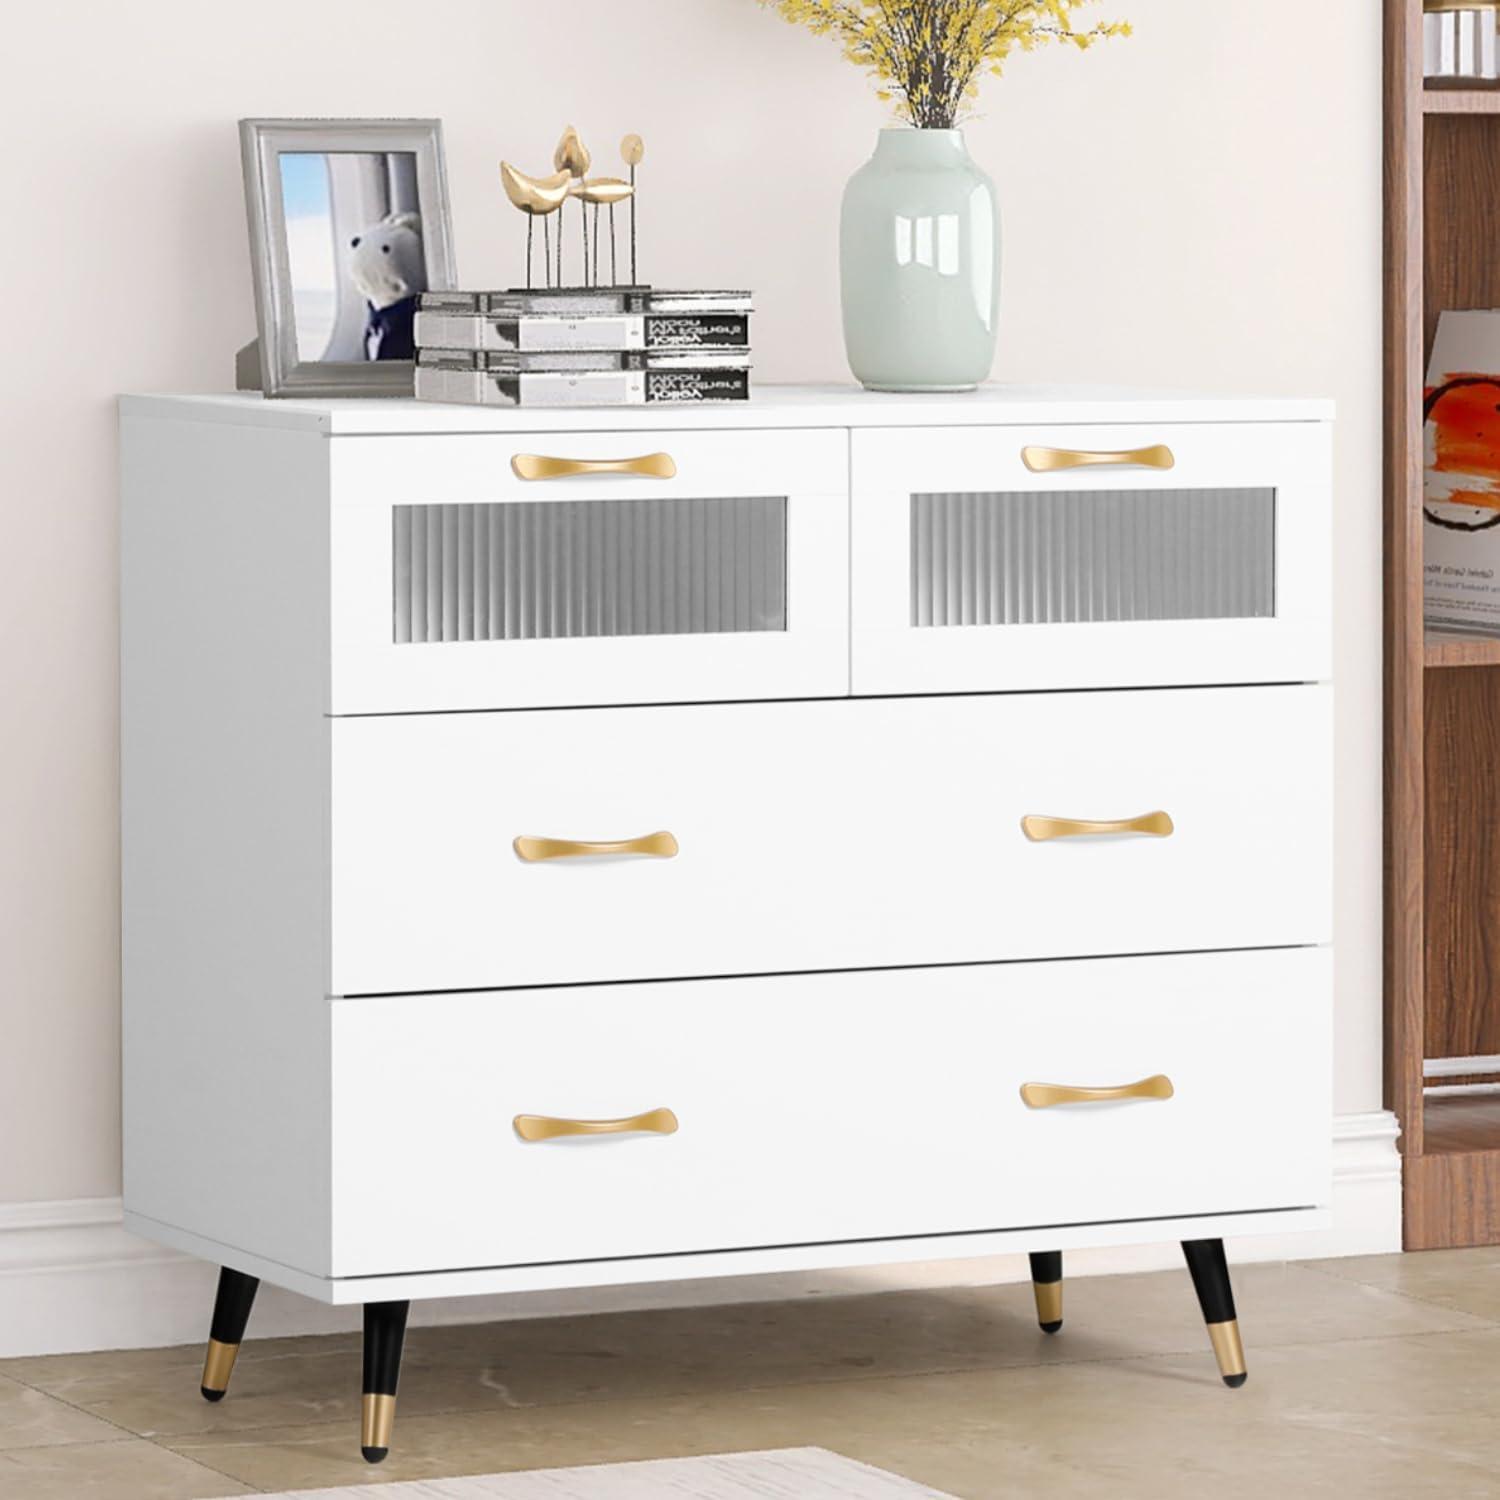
(770, 406)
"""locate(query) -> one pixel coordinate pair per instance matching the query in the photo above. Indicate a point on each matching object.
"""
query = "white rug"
(785, 1474)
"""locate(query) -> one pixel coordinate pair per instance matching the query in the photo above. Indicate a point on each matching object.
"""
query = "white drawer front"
(824, 1107)
(714, 567)
(974, 571)
(820, 836)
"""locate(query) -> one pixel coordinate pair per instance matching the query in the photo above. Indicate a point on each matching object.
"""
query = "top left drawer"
(547, 569)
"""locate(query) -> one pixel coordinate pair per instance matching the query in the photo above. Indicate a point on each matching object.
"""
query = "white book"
(1468, 38)
(543, 333)
(483, 387)
(1440, 44)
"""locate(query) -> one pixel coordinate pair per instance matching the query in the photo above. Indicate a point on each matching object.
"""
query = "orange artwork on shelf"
(1464, 414)
(1461, 488)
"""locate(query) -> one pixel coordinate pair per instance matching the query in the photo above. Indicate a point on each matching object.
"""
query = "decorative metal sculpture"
(543, 196)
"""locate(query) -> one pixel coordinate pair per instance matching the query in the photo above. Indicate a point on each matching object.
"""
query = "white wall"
(1198, 205)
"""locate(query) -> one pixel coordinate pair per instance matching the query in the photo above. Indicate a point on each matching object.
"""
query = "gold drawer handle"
(546, 1127)
(1157, 824)
(1045, 1095)
(656, 845)
(1047, 460)
(647, 466)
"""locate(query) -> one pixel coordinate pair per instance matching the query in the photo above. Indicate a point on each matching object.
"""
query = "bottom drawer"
(827, 1107)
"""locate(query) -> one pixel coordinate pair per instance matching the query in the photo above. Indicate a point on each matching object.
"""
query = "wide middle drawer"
(829, 835)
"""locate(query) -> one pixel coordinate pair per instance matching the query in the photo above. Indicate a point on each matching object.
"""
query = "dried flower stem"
(928, 55)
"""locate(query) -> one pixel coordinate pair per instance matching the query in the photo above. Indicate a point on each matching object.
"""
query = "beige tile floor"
(1368, 1378)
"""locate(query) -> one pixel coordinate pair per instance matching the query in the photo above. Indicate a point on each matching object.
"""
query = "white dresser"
(574, 848)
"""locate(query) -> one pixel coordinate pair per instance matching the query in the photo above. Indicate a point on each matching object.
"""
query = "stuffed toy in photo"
(390, 270)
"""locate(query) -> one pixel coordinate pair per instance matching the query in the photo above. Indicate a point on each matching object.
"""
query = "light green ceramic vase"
(919, 261)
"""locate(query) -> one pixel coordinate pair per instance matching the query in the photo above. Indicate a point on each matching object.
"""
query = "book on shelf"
(581, 378)
(609, 299)
(562, 361)
(581, 330)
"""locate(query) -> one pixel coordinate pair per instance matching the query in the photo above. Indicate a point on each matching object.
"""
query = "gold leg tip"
(218, 1365)
(1229, 1351)
(377, 1421)
(1049, 1309)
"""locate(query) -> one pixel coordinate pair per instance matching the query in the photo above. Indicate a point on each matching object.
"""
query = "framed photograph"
(348, 227)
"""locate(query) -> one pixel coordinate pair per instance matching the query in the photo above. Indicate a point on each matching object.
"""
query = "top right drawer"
(1006, 558)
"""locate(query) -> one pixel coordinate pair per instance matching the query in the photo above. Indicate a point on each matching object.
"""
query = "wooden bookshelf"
(1442, 743)
(1442, 648)
(1468, 100)
(1457, 1124)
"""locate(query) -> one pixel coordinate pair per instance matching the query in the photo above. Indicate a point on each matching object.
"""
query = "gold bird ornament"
(537, 196)
(572, 156)
(602, 190)
(572, 153)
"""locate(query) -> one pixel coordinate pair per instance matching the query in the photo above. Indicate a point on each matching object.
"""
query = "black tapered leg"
(385, 1332)
(1046, 1284)
(232, 1304)
(1210, 1273)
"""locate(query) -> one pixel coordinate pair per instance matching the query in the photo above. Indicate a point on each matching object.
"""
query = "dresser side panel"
(224, 811)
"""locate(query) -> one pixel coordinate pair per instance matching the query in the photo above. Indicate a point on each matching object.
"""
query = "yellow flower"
(927, 55)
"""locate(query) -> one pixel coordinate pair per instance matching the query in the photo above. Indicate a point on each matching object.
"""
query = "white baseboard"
(72, 1278)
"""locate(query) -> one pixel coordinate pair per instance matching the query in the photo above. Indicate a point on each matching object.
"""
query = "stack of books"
(614, 346)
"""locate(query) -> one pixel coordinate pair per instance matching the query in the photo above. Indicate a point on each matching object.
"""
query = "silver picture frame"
(284, 368)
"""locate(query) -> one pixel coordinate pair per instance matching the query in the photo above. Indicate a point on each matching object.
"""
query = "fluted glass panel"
(1053, 557)
(529, 570)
